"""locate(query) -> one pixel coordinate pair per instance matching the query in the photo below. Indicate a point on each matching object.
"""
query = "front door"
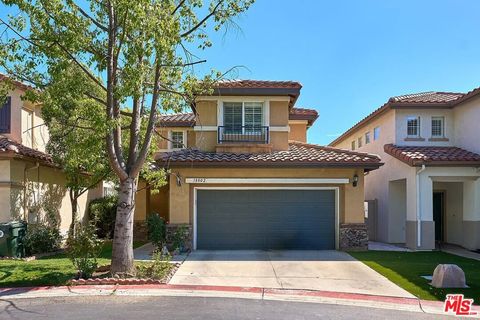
(438, 214)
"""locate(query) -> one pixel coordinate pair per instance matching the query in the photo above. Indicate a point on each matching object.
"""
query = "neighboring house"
(31, 184)
(428, 191)
(242, 175)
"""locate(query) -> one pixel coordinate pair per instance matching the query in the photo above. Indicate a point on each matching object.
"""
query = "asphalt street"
(145, 308)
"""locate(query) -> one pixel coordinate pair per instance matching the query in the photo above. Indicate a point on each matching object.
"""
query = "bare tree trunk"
(74, 202)
(122, 251)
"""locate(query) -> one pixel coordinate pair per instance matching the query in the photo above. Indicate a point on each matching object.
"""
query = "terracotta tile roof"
(238, 83)
(17, 149)
(18, 84)
(441, 156)
(177, 120)
(188, 119)
(428, 97)
(303, 114)
(298, 154)
(258, 88)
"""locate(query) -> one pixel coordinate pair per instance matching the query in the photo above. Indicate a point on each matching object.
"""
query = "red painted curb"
(283, 292)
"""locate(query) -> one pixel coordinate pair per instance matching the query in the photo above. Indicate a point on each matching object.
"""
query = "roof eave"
(366, 166)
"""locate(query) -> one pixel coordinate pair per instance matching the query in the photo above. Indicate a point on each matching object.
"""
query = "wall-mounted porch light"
(355, 180)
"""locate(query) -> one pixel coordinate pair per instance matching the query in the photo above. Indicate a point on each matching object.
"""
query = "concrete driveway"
(308, 270)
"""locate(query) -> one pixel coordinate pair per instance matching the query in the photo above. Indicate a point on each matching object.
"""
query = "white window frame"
(170, 143)
(353, 145)
(359, 142)
(265, 112)
(367, 137)
(419, 125)
(442, 135)
(376, 133)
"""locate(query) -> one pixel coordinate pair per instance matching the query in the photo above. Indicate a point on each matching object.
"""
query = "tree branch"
(198, 25)
(86, 15)
(180, 4)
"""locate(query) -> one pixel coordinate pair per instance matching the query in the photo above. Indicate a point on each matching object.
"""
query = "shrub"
(156, 230)
(179, 238)
(42, 238)
(159, 269)
(102, 213)
(83, 249)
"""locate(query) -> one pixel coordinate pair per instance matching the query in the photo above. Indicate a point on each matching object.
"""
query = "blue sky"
(352, 55)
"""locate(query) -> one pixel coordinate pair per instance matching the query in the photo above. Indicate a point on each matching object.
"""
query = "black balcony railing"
(251, 134)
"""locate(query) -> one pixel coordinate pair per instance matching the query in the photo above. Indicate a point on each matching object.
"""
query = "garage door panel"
(265, 219)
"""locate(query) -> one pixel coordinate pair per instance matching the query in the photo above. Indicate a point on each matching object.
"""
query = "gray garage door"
(266, 219)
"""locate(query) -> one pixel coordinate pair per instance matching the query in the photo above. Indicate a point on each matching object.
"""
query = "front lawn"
(406, 268)
(47, 271)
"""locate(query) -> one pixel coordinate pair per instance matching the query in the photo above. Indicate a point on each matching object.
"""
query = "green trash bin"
(4, 235)
(12, 239)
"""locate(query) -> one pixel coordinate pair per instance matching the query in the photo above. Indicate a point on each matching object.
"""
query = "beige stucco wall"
(377, 182)
(425, 126)
(142, 202)
(298, 131)
(45, 192)
(181, 197)
(207, 113)
(279, 113)
(29, 132)
(466, 117)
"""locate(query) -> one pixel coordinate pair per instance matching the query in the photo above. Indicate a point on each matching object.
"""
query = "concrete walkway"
(380, 246)
(459, 251)
(297, 270)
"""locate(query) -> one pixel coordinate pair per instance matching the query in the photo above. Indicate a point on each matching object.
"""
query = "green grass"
(47, 271)
(406, 268)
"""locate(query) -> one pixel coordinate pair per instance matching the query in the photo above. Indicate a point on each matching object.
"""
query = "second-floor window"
(177, 140)
(438, 127)
(353, 145)
(413, 127)
(376, 133)
(367, 137)
(359, 142)
(5, 111)
(241, 117)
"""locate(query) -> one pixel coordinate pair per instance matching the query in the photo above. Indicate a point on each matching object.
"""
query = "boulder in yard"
(448, 276)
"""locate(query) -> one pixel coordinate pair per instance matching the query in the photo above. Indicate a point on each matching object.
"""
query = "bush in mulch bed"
(159, 271)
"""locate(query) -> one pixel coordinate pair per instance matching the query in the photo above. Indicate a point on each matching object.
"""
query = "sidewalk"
(459, 251)
(327, 297)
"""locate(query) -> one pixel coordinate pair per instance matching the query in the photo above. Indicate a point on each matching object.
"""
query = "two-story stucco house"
(428, 190)
(242, 175)
(31, 184)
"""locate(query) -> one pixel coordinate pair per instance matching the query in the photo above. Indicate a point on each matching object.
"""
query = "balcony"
(243, 134)
(238, 139)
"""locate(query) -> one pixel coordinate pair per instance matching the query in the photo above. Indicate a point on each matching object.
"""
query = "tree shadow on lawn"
(407, 268)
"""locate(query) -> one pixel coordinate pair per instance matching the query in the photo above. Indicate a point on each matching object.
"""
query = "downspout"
(36, 166)
(419, 221)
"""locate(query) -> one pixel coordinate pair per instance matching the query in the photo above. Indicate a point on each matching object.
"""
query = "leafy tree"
(72, 120)
(135, 55)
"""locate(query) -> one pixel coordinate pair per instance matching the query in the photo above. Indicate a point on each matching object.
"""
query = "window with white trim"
(367, 137)
(438, 127)
(413, 127)
(241, 117)
(353, 145)
(177, 140)
(376, 133)
(359, 142)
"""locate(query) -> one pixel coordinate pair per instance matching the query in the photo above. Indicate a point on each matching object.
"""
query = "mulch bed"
(102, 277)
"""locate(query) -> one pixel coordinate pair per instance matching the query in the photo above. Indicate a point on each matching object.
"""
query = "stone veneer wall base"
(353, 236)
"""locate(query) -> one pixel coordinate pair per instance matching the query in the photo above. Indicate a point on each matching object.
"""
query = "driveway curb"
(342, 298)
